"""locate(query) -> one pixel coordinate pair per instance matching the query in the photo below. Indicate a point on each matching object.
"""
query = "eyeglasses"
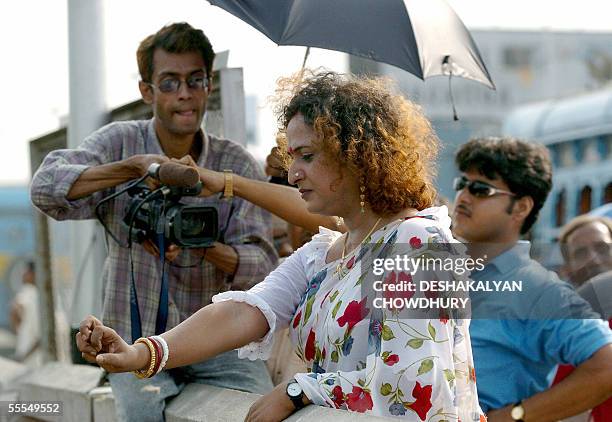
(477, 188)
(170, 85)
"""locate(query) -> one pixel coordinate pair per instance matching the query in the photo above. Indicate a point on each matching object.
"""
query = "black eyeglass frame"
(176, 84)
(477, 188)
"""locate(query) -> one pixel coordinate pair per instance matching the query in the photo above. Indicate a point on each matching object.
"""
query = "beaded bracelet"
(146, 374)
(165, 352)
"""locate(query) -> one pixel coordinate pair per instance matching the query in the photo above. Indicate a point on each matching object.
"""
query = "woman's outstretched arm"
(283, 201)
(214, 329)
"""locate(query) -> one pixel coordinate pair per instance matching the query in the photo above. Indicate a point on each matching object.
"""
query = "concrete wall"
(77, 387)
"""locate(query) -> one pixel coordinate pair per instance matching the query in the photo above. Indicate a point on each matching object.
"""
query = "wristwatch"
(518, 412)
(295, 393)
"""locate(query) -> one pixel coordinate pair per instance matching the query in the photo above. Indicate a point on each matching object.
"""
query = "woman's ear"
(146, 91)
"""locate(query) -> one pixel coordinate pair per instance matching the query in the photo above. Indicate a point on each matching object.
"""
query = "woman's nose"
(294, 174)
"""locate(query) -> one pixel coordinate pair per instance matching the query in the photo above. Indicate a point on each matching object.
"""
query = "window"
(560, 209)
(584, 205)
(607, 196)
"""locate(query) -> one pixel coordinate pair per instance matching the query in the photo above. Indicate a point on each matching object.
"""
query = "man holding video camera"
(175, 66)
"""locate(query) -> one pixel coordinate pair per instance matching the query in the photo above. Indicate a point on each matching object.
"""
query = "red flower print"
(351, 262)
(415, 242)
(354, 312)
(422, 405)
(391, 360)
(296, 320)
(398, 280)
(309, 351)
(359, 400)
(430, 294)
(338, 396)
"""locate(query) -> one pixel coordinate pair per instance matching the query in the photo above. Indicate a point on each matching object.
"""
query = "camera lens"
(193, 224)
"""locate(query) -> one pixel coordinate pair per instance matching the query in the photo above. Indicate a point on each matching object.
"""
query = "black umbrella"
(424, 37)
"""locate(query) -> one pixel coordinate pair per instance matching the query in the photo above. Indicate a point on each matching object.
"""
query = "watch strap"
(228, 191)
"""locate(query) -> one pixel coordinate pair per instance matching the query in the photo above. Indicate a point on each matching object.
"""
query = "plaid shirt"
(247, 229)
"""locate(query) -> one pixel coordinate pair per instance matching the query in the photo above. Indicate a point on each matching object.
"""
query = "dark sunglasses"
(170, 85)
(477, 188)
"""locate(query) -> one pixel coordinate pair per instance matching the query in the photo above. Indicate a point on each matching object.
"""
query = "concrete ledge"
(76, 386)
(206, 403)
(69, 384)
(10, 372)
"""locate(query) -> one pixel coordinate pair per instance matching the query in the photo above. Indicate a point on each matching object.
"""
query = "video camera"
(153, 212)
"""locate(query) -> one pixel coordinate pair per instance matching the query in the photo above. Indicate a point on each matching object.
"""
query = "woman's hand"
(102, 345)
(212, 181)
(273, 407)
(115, 355)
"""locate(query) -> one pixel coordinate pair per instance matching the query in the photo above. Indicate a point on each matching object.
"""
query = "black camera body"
(153, 212)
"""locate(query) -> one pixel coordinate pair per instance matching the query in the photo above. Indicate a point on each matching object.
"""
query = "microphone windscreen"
(173, 174)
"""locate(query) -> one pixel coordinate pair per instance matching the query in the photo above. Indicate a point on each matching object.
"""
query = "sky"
(34, 66)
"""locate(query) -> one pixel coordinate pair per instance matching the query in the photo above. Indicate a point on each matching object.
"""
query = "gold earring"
(362, 197)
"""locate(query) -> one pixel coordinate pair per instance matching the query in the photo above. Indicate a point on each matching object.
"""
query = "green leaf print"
(432, 331)
(334, 356)
(336, 307)
(386, 389)
(426, 366)
(449, 375)
(308, 309)
(387, 333)
(333, 296)
(415, 343)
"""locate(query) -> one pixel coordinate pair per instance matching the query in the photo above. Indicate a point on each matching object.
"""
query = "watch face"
(517, 412)
(294, 389)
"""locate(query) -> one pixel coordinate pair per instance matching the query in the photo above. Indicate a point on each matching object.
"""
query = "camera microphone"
(174, 174)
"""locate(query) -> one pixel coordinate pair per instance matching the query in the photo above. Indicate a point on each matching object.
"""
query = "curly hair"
(176, 38)
(360, 124)
(524, 166)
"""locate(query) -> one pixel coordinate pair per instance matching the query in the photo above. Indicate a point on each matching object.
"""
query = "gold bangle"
(149, 372)
(228, 191)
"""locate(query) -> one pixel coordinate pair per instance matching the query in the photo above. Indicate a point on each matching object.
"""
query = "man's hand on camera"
(212, 181)
(172, 250)
(140, 164)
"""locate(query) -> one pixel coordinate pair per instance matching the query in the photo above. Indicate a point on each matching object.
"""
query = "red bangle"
(160, 353)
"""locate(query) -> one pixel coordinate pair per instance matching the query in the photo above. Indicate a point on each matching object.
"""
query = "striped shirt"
(247, 229)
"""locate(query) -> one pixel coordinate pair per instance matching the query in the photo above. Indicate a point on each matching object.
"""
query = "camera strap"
(134, 313)
(162, 310)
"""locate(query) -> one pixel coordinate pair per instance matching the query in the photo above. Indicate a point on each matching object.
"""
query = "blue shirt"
(547, 324)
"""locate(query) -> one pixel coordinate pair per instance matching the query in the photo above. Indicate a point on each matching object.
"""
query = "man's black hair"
(524, 166)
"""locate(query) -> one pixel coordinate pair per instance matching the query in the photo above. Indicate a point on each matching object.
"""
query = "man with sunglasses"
(519, 338)
(175, 66)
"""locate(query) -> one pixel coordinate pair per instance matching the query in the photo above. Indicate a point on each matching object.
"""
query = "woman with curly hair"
(358, 151)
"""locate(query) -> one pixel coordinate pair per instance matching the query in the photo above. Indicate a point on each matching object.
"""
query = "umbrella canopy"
(423, 37)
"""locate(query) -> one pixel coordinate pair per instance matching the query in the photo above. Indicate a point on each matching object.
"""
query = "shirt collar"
(507, 260)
